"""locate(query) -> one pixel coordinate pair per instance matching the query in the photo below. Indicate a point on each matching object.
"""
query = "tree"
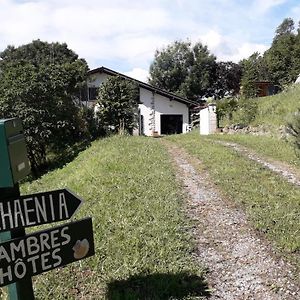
(285, 28)
(253, 69)
(228, 78)
(183, 69)
(117, 105)
(39, 83)
(281, 58)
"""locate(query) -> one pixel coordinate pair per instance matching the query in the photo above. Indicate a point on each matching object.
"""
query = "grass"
(272, 111)
(143, 248)
(271, 203)
(269, 146)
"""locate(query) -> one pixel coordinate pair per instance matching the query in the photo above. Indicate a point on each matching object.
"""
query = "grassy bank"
(271, 203)
(272, 147)
(141, 240)
(272, 111)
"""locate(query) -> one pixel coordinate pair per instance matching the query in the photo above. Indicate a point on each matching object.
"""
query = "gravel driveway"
(241, 264)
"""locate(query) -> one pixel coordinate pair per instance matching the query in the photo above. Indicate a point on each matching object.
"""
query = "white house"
(160, 112)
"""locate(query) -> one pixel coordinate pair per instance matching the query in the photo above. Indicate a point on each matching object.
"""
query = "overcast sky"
(124, 34)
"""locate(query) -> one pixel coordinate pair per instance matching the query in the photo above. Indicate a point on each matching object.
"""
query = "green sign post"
(23, 256)
(14, 166)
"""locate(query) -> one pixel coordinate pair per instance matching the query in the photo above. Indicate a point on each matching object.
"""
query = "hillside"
(270, 112)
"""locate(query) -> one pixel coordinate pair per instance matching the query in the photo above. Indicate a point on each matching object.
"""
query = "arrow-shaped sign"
(38, 209)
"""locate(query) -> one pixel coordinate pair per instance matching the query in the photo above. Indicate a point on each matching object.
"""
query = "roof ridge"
(143, 84)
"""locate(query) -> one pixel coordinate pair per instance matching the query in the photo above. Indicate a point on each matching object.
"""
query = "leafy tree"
(254, 69)
(39, 83)
(281, 58)
(117, 105)
(228, 78)
(184, 69)
(285, 28)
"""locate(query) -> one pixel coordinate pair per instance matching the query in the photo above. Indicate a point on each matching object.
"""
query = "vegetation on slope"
(270, 112)
(141, 240)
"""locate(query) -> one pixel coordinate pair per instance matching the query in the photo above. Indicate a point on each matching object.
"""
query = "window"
(93, 93)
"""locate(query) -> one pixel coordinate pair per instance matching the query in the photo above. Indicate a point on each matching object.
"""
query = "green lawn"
(272, 204)
(143, 248)
(272, 147)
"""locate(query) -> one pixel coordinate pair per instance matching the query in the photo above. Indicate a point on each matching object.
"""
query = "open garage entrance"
(171, 124)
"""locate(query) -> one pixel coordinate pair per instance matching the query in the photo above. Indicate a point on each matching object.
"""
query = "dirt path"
(241, 264)
(287, 172)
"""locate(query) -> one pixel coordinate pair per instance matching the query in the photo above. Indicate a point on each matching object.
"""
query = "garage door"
(171, 124)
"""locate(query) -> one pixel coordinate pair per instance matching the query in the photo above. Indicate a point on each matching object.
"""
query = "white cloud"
(94, 31)
(212, 39)
(227, 48)
(263, 6)
(245, 50)
(125, 33)
(138, 73)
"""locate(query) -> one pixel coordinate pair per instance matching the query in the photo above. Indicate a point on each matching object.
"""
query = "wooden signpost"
(23, 256)
(43, 251)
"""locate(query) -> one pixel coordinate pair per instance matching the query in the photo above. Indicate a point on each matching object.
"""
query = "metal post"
(21, 290)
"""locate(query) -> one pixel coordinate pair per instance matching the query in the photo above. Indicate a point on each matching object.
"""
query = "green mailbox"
(14, 163)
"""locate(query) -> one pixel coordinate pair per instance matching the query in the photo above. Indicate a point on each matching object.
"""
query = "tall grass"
(268, 146)
(143, 248)
(272, 111)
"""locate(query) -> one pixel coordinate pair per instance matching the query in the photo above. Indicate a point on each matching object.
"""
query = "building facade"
(160, 112)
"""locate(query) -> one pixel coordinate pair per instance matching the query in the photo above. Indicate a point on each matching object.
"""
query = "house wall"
(154, 105)
(95, 80)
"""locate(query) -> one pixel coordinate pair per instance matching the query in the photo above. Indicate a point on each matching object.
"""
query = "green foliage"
(280, 64)
(285, 28)
(236, 110)
(245, 112)
(143, 246)
(282, 59)
(93, 123)
(272, 112)
(184, 69)
(254, 69)
(294, 129)
(228, 79)
(117, 105)
(39, 84)
(226, 107)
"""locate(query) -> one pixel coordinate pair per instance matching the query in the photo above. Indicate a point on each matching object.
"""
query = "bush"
(246, 111)
(293, 129)
(225, 108)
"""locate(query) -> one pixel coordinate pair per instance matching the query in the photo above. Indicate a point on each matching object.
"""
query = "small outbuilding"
(160, 112)
(208, 119)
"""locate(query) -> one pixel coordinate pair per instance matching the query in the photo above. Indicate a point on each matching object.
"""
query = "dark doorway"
(171, 124)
